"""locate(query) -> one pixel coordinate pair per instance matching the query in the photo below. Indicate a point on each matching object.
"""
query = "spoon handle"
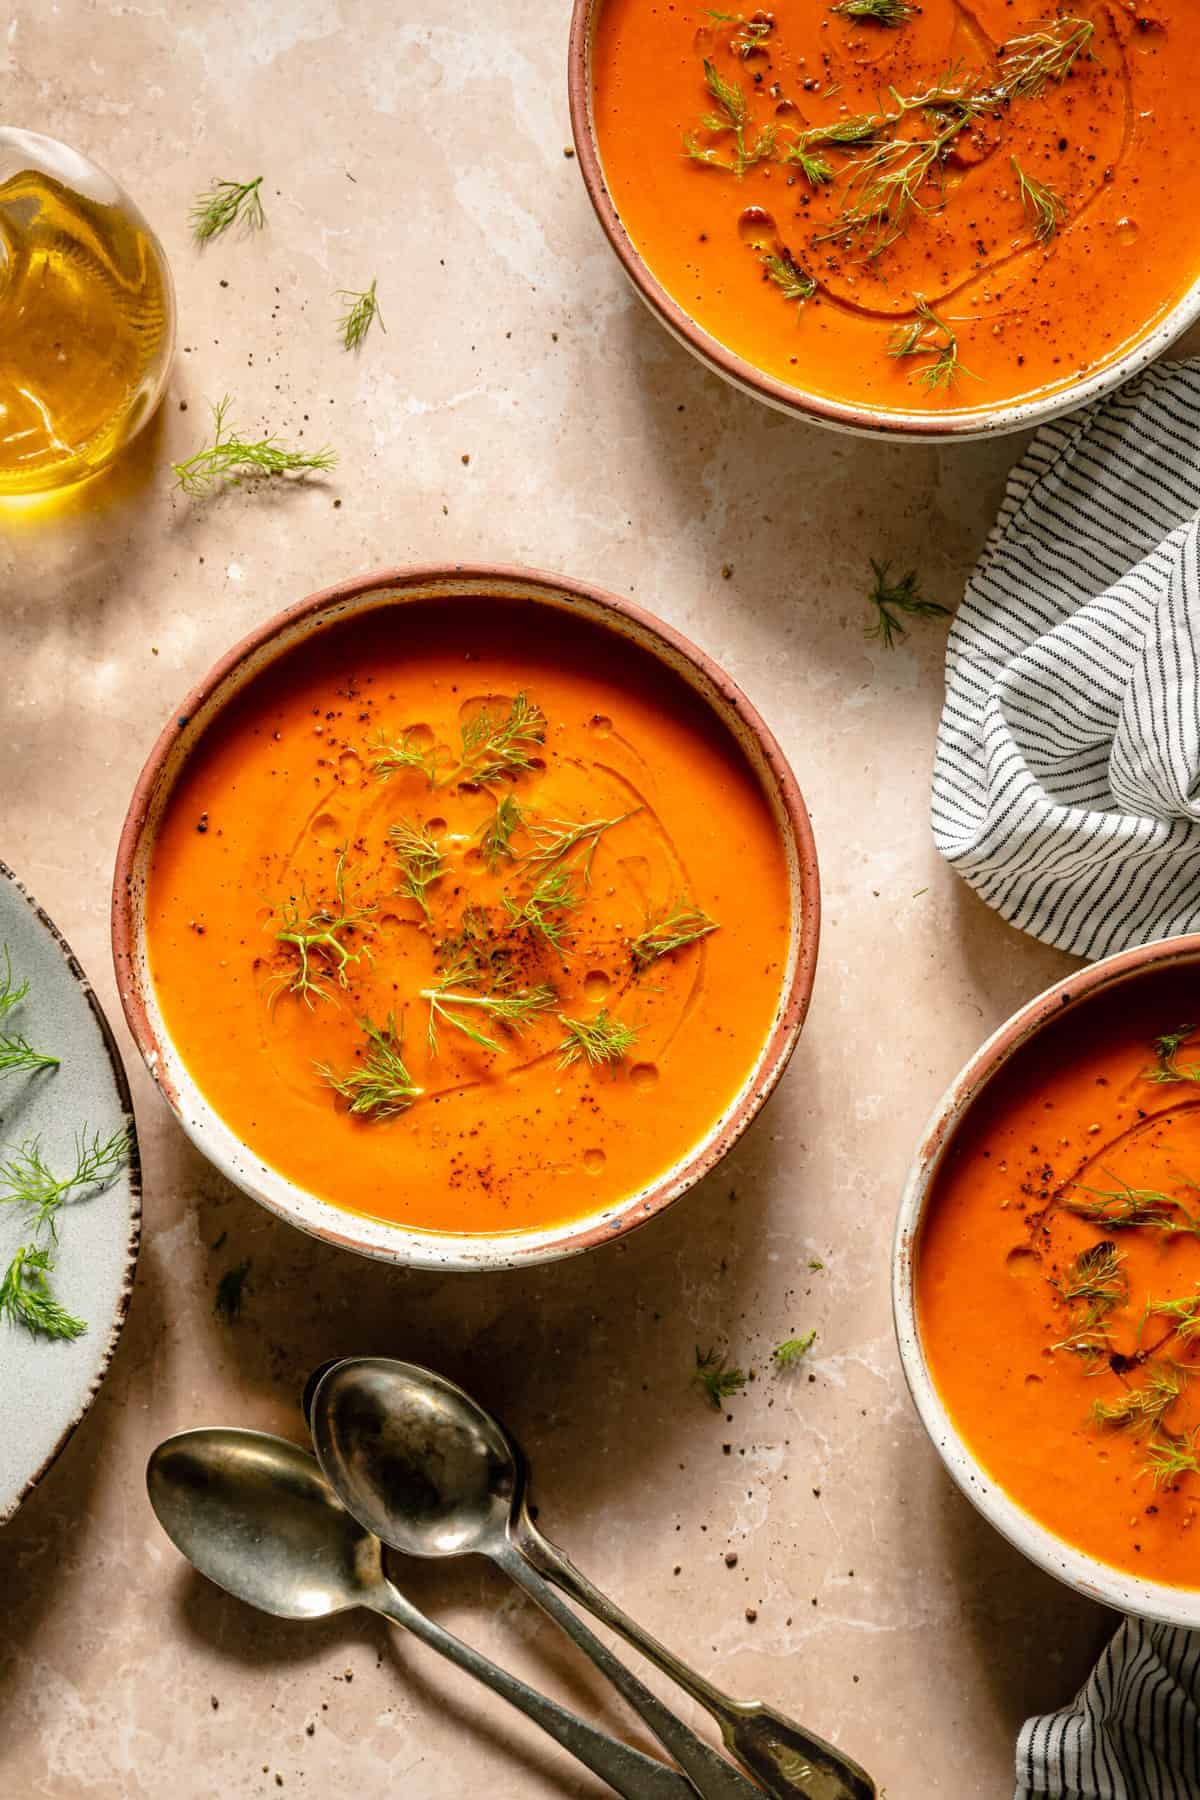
(788, 1761)
(708, 1772)
(626, 1770)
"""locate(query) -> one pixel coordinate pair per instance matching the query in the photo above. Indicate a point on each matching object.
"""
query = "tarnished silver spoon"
(429, 1471)
(255, 1514)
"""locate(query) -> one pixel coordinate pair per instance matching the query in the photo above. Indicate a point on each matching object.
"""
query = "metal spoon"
(434, 1474)
(255, 1514)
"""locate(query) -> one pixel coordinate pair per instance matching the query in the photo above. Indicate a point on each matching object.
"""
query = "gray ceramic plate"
(46, 1387)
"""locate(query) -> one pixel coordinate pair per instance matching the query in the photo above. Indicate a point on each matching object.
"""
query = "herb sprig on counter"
(232, 458)
(894, 603)
(714, 1376)
(362, 312)
(793, 1350)
(222, 205)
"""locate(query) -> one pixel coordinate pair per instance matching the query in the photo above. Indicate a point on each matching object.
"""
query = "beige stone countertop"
(523, 406)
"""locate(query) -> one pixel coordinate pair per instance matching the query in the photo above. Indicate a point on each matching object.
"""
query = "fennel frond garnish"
(1045, 206)
(681, 924)
(930, 335)
(596, 1041)
(1048, 52)
(1166, 1051)
(26, 1298)
(316, 935)
(732, 115)
(457, 990)
(790, 277)
(234, 458)
(556, 840)
(896, 601)
(793, 1349)
(17, 1054)
(715, 1377)
(359, 316)
(380, 1085)
(496, 834)
(883, 12)
(223, 204)
(492, 748)
(420, 860)
(546, 911)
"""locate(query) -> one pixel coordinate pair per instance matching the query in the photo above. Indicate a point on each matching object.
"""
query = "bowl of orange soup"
(1047, 1280)
(466, 917)
(901, 216)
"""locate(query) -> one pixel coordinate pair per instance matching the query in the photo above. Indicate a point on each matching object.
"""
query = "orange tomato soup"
(956, 209)
(1058, 1279)
(470, 916)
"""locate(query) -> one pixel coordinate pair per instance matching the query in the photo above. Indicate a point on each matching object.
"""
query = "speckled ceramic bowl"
(1099, 1581)
(394, 588)
(975, 422)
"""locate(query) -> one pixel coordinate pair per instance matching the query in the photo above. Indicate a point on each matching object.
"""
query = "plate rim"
(133, 1169)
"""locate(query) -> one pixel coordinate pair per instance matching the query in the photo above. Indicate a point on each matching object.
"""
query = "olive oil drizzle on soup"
(1058, 1279)
(469, 916)
(908, 207)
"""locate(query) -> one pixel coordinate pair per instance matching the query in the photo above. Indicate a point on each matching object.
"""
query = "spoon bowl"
(256, 1515)
(413, 1457)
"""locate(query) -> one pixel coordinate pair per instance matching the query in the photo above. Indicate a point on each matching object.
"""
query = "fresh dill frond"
(380, 1085)
(546, 911)
(223, 204)
(792, 1349)
(492, 748)
(750, 35)
(1096, 1280)
(884, 12)
(1182, 1315)
(732, 115)
(360, 315)
(930, 335)
(17, 1055)
(596, 1041)
(1141, 1408)
(1046, 207)
(1169, 1457)
(1125, 1208)
(421, 862)
(556, 840)
(790, 277)
(26, 1298)
(1046, 53)
(714, 1375)
(390, 755)
(1166, 1051)
(682, 923)
(496, 834)
(512, 1009)
(322, 958)
(233, 458)
(28, 1182)
(896, 601)
(227, 1302)
(12, 991)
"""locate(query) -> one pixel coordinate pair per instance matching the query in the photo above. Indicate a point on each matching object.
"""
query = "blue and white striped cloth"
(1066, 790)
(1133, 1733)
(1066, 785)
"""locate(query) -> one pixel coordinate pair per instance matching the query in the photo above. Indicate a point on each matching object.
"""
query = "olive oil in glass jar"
(87, 316)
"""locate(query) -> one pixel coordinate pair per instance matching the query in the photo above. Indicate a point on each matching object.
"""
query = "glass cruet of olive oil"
(87, 316)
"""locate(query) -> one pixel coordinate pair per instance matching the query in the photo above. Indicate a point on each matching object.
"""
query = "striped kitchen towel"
(1133, 1732)
(1066, 785)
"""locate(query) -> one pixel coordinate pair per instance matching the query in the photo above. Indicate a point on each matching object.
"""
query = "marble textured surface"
(521, 406)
